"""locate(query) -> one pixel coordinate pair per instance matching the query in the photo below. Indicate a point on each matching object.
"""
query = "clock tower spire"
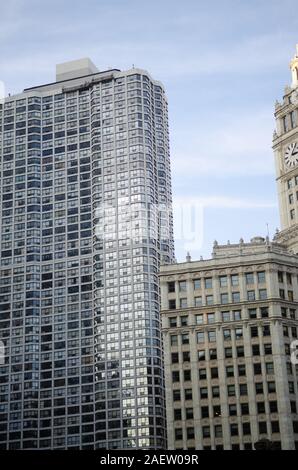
(294, 69)
(285, 147)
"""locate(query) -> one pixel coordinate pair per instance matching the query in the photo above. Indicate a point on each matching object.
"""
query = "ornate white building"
(230, 324)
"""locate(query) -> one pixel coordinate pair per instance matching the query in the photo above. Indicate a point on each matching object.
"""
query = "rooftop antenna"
(268, 233)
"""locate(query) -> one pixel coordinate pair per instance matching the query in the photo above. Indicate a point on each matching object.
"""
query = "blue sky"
(223, 64)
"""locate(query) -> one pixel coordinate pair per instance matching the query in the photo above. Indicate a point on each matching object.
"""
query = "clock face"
(291, 155)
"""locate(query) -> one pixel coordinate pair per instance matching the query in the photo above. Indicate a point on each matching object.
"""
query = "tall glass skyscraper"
(85, 221)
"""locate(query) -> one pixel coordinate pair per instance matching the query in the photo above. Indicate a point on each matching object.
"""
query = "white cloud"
(235, 145)
(220, 202)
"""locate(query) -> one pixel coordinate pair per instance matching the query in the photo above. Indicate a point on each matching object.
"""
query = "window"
(178, 434)
(218, 430)
(269, 368)
(239, 333)
(188, 413)
(212, 354)
(186, 356)
(252, 313)
(266, 330)
(237, 315)
(224, 298)
(190, 433)
(187, 375)
(244, 409)
(171, 287)
(230, 371)
(243, 389)
(198, 302)
(241, 370)
(289, 368)
(268, 349)
(264, 312)
(234, 429)
(183, 303)
(261, 277)
(261, 407)
(182, 286)
(235, 297)
(227, 334)
(209, 299)
(204, 412)
(262, 294)
(290, 295)
(259, 388)
(254, 332)
(176, 395)
(283, 311)
(175, 358)
(289, 278)
(255, 350)
(293, 407)
(214, 373)
(262, 427)
(249, 278)
(235, 280)
(173, 322)
(228, 353)
(292, 313)
(172, 304)
(197, 284)
(215, 392)
(208, 283)
(275, 427)
(199, 319)
(251, 295)
(203, 393)
(174, 340)
(246, 429)
(188, 394)
(211, 336)
(292, 214)
(177, 414)
(184, 320)
(202, 374)
(175, 376)
(223, 281)
(216, 411)
(226, 316)
(210, 318)
(206, 431)
(273, 407)
(233, 410)
(185, 338)
(257, 368)
(200, 337)
(231, 390)
(280, 276)
(285, 331)
(201, 355)
(271, 387)
(240, 351)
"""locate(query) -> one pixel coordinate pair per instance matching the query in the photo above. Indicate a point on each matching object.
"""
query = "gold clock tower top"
(294, 69)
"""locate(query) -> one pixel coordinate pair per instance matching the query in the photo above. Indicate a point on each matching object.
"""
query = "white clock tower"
(285, 146)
